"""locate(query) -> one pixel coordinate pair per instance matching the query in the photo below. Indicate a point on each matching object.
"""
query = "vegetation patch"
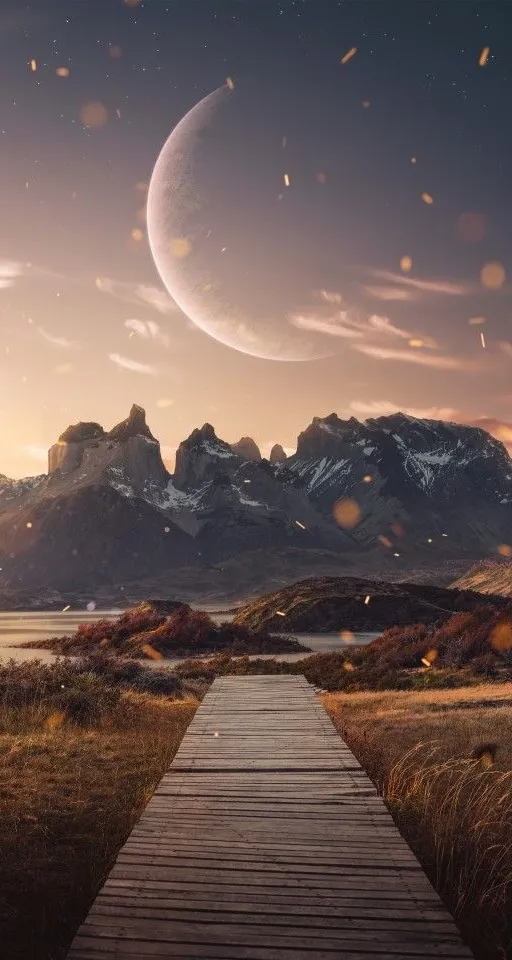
(443, 762)
(146, 632)
(466, 649)
(81, 753)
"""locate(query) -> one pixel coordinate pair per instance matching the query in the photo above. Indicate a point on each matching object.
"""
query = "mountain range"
(384, 496)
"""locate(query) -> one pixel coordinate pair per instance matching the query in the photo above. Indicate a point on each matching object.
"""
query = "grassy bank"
(443, 760)
(80, 756)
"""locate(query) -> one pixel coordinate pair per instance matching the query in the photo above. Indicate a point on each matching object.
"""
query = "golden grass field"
(69, 797)
(443, 761)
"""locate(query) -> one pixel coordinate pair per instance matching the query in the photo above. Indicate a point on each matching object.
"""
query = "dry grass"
(69, 797)
(443, 760)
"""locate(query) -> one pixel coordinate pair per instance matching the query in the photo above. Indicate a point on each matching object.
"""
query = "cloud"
(133, 365)
(147, 330)
(390, 293)
(384, 408)
(10, 270)
(36, 452)
(414, 356)
(57, 341)
(447, 287)
(138, 293)
(339, 325)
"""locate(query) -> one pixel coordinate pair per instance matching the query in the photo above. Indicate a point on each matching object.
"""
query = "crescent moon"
(180, 222)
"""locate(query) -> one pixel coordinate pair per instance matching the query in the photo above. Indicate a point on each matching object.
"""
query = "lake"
(19, 627)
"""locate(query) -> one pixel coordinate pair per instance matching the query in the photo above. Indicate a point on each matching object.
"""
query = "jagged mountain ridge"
(421, 486)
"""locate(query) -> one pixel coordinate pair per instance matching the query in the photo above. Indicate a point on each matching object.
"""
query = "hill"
(328, 604)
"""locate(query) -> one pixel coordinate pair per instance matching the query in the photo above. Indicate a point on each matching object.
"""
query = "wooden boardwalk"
(266, 841)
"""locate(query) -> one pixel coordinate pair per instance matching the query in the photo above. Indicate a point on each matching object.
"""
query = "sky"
(348, 203)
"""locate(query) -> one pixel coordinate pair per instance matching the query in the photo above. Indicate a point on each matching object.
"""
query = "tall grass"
(464, 807)
(443, 763)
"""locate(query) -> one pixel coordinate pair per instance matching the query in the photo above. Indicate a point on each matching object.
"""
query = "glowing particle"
(367, 599)
(248, 481)
(62, 72)
(348, 666)
(55, 720)
(167, 529)
(287, 180)
(505, 550)
(416, 342)
(425, 662)
(137, 234)
(406, 264)
(365, 104)
(501, 636)
(444, 534)
(229, 83)
(413, 160)
(94, 114)
(367, 478)
(484, 56)
(280, 613)
(299, 524)
(476, 321)
(151, 652)
(33, 65)
(349, 54)
(29, 525)
(91, 606)
(65, 609)
(216, 734)
(163, 403)
(347, 636)
(180, 247)
(396, 554)
(385, 541)
(482, 338)
(493, 275)
(427, 198)
(347, 513)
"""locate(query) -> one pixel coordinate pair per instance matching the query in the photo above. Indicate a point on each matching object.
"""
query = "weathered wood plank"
(266, 841)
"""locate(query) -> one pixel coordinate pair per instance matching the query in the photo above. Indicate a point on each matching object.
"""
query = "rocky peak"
(82, 432)
(201, 457)
(277, 454)
(134, 426)
(247, 448)
(327, 436)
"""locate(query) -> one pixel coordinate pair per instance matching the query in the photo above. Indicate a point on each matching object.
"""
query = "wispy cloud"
(338, 325)
(10, 270)
(125, 363)
(62, 342)
(439, 361)
(36, 451)
(390, 293)
(138, 293)
(450, 288)
(147, 330)
(382, 408)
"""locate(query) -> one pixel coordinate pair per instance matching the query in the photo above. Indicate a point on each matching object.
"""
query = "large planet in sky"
(237, 252)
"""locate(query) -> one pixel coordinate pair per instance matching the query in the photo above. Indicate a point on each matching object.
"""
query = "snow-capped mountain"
(108, 509)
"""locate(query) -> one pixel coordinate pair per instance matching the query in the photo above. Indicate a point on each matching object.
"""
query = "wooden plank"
(267, 841)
